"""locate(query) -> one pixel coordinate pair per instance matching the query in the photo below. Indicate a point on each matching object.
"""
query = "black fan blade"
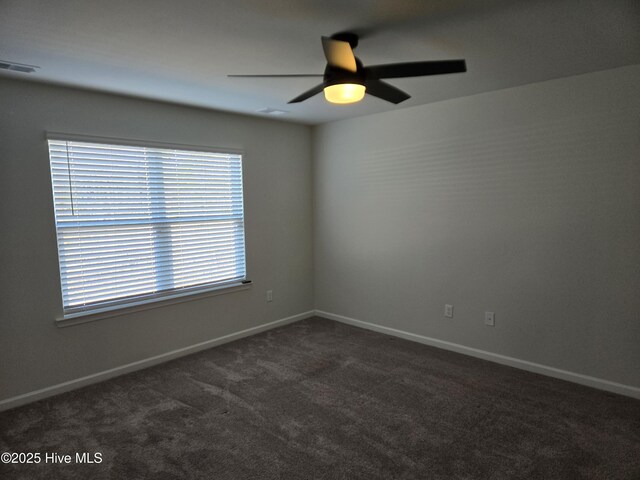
(387, 92)
(278, 76)
(339, 54)
(308, 94)
(416, 69)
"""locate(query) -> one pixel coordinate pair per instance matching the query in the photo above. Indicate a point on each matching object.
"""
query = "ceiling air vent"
(17, 67)
(272, 111)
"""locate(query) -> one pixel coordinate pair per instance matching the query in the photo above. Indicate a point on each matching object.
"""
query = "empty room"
(386, 239)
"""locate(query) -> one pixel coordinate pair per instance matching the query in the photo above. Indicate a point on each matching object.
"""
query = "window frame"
(152, 300)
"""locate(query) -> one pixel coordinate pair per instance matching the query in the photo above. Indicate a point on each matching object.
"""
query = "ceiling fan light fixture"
(343, 93)
(346, 79)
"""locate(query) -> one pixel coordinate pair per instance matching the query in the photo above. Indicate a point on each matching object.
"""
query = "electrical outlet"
(448, 311)
(269, 295)
(490, 319)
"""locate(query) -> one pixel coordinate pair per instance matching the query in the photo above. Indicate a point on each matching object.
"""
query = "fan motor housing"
(336, 76)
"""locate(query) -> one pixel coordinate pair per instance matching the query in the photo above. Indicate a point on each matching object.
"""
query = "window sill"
(125, 309)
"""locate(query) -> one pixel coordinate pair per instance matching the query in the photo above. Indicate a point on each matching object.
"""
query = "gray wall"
(34, 353)
(524, 201)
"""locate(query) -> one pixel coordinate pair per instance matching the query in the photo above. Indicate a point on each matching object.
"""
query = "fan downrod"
(350, 38)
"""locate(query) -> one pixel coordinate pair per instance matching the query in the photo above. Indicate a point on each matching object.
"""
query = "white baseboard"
(36, 395)
(601, 384)
(594, 382)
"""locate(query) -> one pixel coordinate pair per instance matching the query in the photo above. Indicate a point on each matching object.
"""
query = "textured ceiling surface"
(182, 51)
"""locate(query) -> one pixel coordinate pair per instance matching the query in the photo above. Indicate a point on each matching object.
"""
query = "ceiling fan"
(346, 79)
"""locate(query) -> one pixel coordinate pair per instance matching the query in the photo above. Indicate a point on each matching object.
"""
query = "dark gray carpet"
(322, 400)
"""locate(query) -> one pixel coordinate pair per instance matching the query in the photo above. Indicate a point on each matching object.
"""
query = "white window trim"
(132, 306)
(71, 137)
(148, 304)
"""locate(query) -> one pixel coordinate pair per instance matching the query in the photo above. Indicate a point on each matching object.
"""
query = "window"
(136, 223)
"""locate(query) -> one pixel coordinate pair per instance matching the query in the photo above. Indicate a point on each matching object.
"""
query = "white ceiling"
(181, 51)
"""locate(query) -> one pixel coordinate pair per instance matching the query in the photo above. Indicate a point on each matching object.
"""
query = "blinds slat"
(149, 285)
(118, 279)
(143, 262)
(84, 248)
(135, 295)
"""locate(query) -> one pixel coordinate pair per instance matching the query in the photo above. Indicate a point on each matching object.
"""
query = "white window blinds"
(135, 223)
